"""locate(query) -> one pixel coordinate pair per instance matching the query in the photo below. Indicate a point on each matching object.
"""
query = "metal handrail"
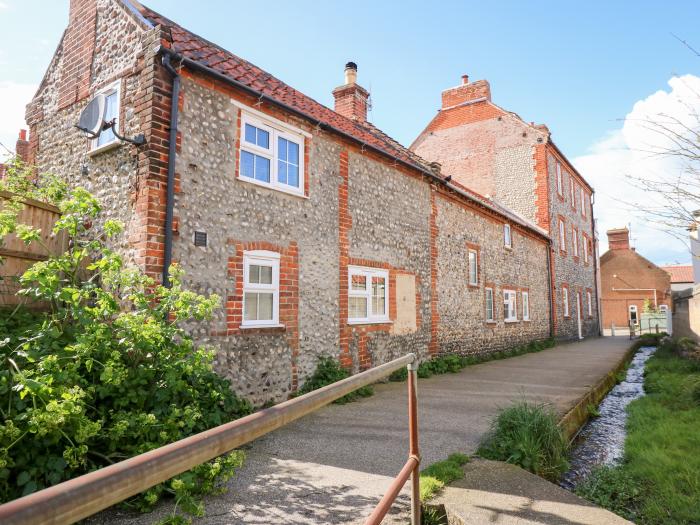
(86, 495)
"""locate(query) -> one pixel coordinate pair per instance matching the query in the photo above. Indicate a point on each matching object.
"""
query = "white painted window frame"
(574, 240)
(589, 301)
(471, 252)
(114, 87)
(490, 316)
(630, 309)
(510, 298)
(565, 301)
(583, 201)
(276, 130)
(584, 242)
(562, 235)
(263, 258)
(572, 190)
(507, 236)
(560, 180)
(526, 305)
(368, 273)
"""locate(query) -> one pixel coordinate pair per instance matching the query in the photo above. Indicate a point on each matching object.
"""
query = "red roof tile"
(680, 273)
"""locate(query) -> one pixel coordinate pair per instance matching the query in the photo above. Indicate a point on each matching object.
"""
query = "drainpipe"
(170, 192)
(549, 288)
(596, 277)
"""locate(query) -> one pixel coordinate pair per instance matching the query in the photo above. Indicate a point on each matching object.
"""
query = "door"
(578, 314)
(633, 315)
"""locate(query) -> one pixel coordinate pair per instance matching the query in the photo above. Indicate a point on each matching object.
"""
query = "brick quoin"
(434, 346)
(542, 188)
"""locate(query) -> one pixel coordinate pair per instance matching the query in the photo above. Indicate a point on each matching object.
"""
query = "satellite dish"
(91, 117)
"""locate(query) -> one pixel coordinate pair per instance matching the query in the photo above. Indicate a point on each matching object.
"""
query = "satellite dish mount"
(92, 122)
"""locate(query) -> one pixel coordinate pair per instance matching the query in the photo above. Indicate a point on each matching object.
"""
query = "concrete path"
(334, 465)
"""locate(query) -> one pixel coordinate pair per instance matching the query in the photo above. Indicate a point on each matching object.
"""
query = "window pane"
(293, 155)
(250, 135)
(265, 274)
(111, 105)
(282, 172)
(262, 169)
(282, 148)
(263, 138)
(357, 307)
(265, 306)
(247, 164)
(472, 268)
(378, 296)
(254, 274)
(251, 307)
(293, 175)
(359, 282)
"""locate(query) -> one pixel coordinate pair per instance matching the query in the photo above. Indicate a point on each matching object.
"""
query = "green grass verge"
(437, 475)
(528, 435)
(658, 481)
(453, 363)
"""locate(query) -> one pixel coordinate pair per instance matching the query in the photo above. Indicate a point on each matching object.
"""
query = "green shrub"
(107, 372)
(399, 375)
(612, 488)
(527, 435)
(329, 371)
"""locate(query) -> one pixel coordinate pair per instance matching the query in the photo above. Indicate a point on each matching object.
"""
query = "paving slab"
(334, 465)
(503, 494)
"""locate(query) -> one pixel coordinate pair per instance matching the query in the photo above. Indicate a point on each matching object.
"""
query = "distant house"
(627, 281)
(681, 277)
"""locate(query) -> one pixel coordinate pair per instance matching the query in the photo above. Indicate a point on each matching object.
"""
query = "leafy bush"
(329, 371)
(528, 435)
(612, 488)
(107, 372)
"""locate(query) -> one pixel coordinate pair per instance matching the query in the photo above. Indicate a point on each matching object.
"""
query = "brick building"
(627, 281)
(21, 150)
(516, 164)
(323, 235)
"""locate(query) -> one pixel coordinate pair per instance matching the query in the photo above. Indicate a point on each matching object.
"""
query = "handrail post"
(413, 440)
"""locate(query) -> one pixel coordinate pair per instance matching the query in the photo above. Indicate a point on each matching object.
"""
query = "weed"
(592, 410)
(329, 371)
(437, 475)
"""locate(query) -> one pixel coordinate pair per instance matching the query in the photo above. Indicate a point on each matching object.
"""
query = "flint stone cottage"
(323, 235)
(495, 153)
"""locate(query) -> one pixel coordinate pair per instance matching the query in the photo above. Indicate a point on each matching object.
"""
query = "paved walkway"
(333, 466)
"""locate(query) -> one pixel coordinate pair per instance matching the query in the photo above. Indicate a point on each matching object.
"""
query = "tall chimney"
(22, 146)
(619, 239)
(466, 92)
(351, 99)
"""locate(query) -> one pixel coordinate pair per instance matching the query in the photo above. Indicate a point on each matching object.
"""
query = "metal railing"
(86, 495)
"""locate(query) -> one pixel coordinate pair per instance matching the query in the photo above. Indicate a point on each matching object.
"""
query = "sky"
(586, 69)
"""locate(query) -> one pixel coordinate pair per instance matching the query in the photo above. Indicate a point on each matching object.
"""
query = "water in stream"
(602, 440)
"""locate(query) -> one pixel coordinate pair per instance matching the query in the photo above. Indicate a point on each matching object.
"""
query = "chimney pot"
(23, 134)
(350, 73)
(465, 79)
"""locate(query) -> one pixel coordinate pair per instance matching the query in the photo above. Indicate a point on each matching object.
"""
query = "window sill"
(491, 322)
(105, 147)
(356, 322)
(260, 326)
(273, 188)
(473, 285)
(509, 248)
(511, 321)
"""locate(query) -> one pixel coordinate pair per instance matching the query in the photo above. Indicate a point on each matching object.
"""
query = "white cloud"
(625, 152)
(13, 99)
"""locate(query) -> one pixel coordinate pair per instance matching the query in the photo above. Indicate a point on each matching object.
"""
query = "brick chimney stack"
(22, 146)
(466, 92)
(351, 99)
(78, 49)
(619, 239)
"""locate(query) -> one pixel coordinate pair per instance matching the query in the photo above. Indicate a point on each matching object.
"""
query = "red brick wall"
(465, 93)
(78, 47)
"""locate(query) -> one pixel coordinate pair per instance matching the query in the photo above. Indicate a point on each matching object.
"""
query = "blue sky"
(579, 67)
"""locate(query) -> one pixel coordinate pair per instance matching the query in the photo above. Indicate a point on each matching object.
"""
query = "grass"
(453, 363)
(528, 435)
(437, 475)
(658, 481)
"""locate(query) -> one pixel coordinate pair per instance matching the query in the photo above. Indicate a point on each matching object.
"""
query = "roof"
(216, 58)
(681, 273)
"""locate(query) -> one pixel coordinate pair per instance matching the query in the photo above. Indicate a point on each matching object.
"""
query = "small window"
(270, 156)
(510, 313)
(368, 295)
(589, 301)
(583, 202)
(572, 187)
(507, 239)
(260, 288)
(584, 244)
(565, 300)
(574, 240)
(562, 235)
(473, 268)
(111, 112)
(633, 314)
(526, 306)
(560, 182)
(663, 308)
(490, 315)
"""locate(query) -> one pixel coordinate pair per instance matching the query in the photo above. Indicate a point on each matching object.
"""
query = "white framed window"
(526, 306)
(663, 308)
(574, 241)
(271, 156)
(565, 300)
(584, 243)
(473, 267)
(510, 314)
(562, 235)
(490, 314)
(111, 112)
(589, 301)
(261, 284)
(560, 181)
(572, 191)
(583, 202)
(633, 314)
(507, 238)
(368, 295)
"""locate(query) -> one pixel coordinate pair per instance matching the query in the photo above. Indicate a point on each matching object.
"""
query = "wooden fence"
(17, 256)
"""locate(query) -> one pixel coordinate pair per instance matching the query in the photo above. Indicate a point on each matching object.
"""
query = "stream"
(601, 441)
